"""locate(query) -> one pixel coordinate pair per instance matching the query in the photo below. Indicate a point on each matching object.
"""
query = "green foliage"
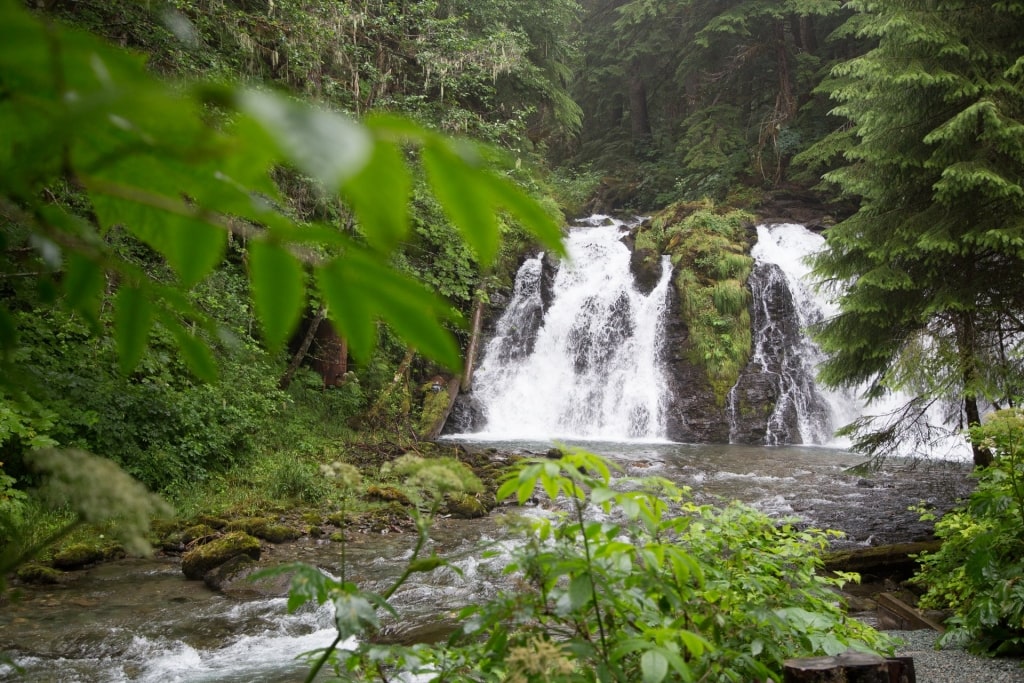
(976, 573)
(147, 160)
(650, 587)
(933, 153)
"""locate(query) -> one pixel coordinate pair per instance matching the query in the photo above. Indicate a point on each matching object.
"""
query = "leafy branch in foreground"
(632, 581)
(144, 157)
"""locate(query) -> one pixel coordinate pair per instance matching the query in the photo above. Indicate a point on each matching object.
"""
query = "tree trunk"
(474, 343)
(640, 122)
(300, 354)
(331, 355)
(967, 342)
(849, 667)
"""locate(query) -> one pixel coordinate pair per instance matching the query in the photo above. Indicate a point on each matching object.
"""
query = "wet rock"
(196, 562)
(236, 568)
(693, 415)
(646, 267)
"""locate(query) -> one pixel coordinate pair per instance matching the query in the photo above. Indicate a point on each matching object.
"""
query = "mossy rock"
(464, 506)
(338, 537)
(250, 525)
(212, 521)
(314, 532)
(177, 541)
(387, 494)
(278, 533)
(196, 562)
(39, 574)
(78, 555)
(338, 519)
(312, 518)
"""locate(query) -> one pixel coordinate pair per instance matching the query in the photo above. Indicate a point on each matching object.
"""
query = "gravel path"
(954, 666)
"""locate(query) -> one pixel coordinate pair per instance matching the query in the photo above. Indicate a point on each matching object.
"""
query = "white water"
(593, 370)
(788, 246)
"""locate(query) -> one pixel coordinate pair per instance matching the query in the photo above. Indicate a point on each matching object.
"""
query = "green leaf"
(379, 195)
(278, 290)
(193, 247)
(653, 666)
(347, 308)
(353, 615)
(531, 214)
(358, 288)
(465, 200)
(133, 317)
(580, 591)
(323, 144)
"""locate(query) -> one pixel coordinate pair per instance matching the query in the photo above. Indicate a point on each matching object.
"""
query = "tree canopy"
(930, 270)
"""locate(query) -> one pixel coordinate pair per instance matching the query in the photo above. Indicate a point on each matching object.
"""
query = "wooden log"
(849, 667)
(903, 615)
(474, 345)
(879, 559)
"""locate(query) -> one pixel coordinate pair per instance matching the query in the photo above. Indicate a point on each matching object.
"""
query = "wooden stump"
(849, 667)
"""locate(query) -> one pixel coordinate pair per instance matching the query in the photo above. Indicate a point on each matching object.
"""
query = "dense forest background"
(602, 105)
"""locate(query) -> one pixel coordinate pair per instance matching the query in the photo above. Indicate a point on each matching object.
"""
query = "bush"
(977, 571)
(633, 582)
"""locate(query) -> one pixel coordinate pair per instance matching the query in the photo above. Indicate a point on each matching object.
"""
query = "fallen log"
(879, 559)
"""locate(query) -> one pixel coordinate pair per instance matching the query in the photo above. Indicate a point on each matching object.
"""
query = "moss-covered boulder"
(465, 506)
(39, 574)
(265, 528)
(196, 562)
(78, 555)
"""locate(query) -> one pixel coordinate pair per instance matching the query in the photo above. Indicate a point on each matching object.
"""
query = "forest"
(243, 244)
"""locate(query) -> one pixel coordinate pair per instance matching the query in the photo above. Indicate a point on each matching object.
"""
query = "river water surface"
(140, 620)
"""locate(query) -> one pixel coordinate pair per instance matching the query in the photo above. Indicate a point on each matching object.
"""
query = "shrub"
(633, 581)
(977, 571)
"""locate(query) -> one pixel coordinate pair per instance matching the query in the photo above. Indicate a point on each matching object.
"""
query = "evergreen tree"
(931, 267)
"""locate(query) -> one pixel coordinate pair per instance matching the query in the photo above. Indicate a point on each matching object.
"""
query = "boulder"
(196, 562)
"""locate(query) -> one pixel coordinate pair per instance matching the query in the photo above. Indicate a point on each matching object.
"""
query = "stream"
(140, 620)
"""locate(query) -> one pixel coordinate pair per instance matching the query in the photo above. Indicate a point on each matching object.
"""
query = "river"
(140, 620)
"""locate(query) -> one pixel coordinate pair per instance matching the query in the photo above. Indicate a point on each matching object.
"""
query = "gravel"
(954, 665)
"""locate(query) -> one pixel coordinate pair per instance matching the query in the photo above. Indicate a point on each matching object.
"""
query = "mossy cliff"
(708, 331)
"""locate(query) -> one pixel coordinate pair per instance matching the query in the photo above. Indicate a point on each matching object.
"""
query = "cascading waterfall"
(784, 307)
(591, 369)
(805, 412)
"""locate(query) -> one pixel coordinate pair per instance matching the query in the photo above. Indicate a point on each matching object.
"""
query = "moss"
(78, 555)
(710, 251)
(386, 494)
(312, 518)
(435, 405)
(265, 528)
(464, 506)
(338, 537)
(196, 562)
(39, 574)
(278, 533)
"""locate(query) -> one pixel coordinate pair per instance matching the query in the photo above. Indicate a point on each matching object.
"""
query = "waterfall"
(590, 368)
(784, 357)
